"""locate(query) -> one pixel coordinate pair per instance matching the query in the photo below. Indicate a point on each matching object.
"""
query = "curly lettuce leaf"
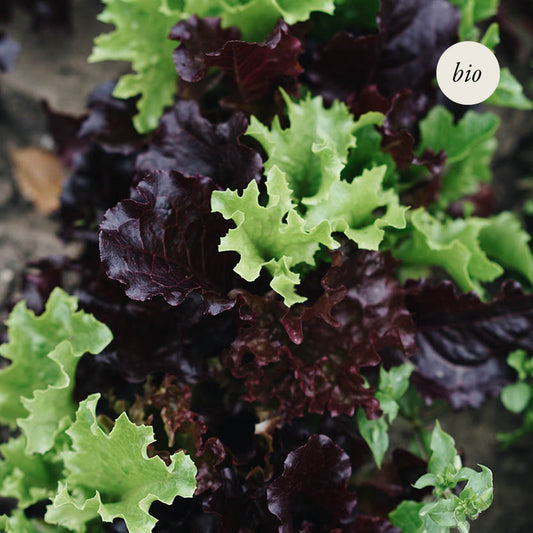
(506, 242)
(111, 475)
(271, 236)
(473, 11)
(256, 18)
(510, 93)
(471, 250)
(140, 37)
(307, 201)
(44, 351)
(28, 478)
(313, 150)
(453, 245)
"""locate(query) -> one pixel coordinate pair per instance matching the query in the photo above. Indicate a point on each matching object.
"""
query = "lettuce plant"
(291, 257)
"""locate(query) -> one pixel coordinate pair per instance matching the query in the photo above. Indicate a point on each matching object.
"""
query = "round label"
(468, 73)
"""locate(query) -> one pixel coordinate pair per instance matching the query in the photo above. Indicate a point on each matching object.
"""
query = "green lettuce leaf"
(350, 208)
(141, 37)
(44, 351)
(510, 93)
(503, 240)
(469, 147)
(307, 199)
(453, 245)
(111, 475)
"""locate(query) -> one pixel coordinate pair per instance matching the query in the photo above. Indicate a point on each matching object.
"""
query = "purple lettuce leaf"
(99, 149)
(190, 144)
(163, 241)
(463, 342)
(313, 488)
(309, 358)
(402, 55)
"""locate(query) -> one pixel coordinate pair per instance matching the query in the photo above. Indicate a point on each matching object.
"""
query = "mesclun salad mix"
(289, 246)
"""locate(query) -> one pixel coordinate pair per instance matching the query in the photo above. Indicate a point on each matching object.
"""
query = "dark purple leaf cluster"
(45, 14)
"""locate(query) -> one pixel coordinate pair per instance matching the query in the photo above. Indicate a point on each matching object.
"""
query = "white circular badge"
(468, 73)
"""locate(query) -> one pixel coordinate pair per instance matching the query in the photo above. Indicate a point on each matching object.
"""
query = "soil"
(52, 66)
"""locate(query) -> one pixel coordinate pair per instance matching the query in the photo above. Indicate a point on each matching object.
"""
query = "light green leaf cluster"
(469, 147)
(141, 34)
(111, 475)
(448, 510)
(471, 250)
(307, 200)
(517, 397)
(36, 389)
(393, 384)
(72, 461)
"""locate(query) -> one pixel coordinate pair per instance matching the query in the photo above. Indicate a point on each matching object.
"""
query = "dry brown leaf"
(39, 175)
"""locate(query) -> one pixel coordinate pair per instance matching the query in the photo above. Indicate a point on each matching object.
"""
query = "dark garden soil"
(53, 66)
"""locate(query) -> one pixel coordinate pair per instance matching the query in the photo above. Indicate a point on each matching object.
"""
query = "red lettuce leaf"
(463, 342)
(371, 524)
(257, 69)
(313, 488)
(198, 36)
(100, 149)
(99, 179)
(414, 35)
(309, 358)
(190, 144)
(163, 241)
